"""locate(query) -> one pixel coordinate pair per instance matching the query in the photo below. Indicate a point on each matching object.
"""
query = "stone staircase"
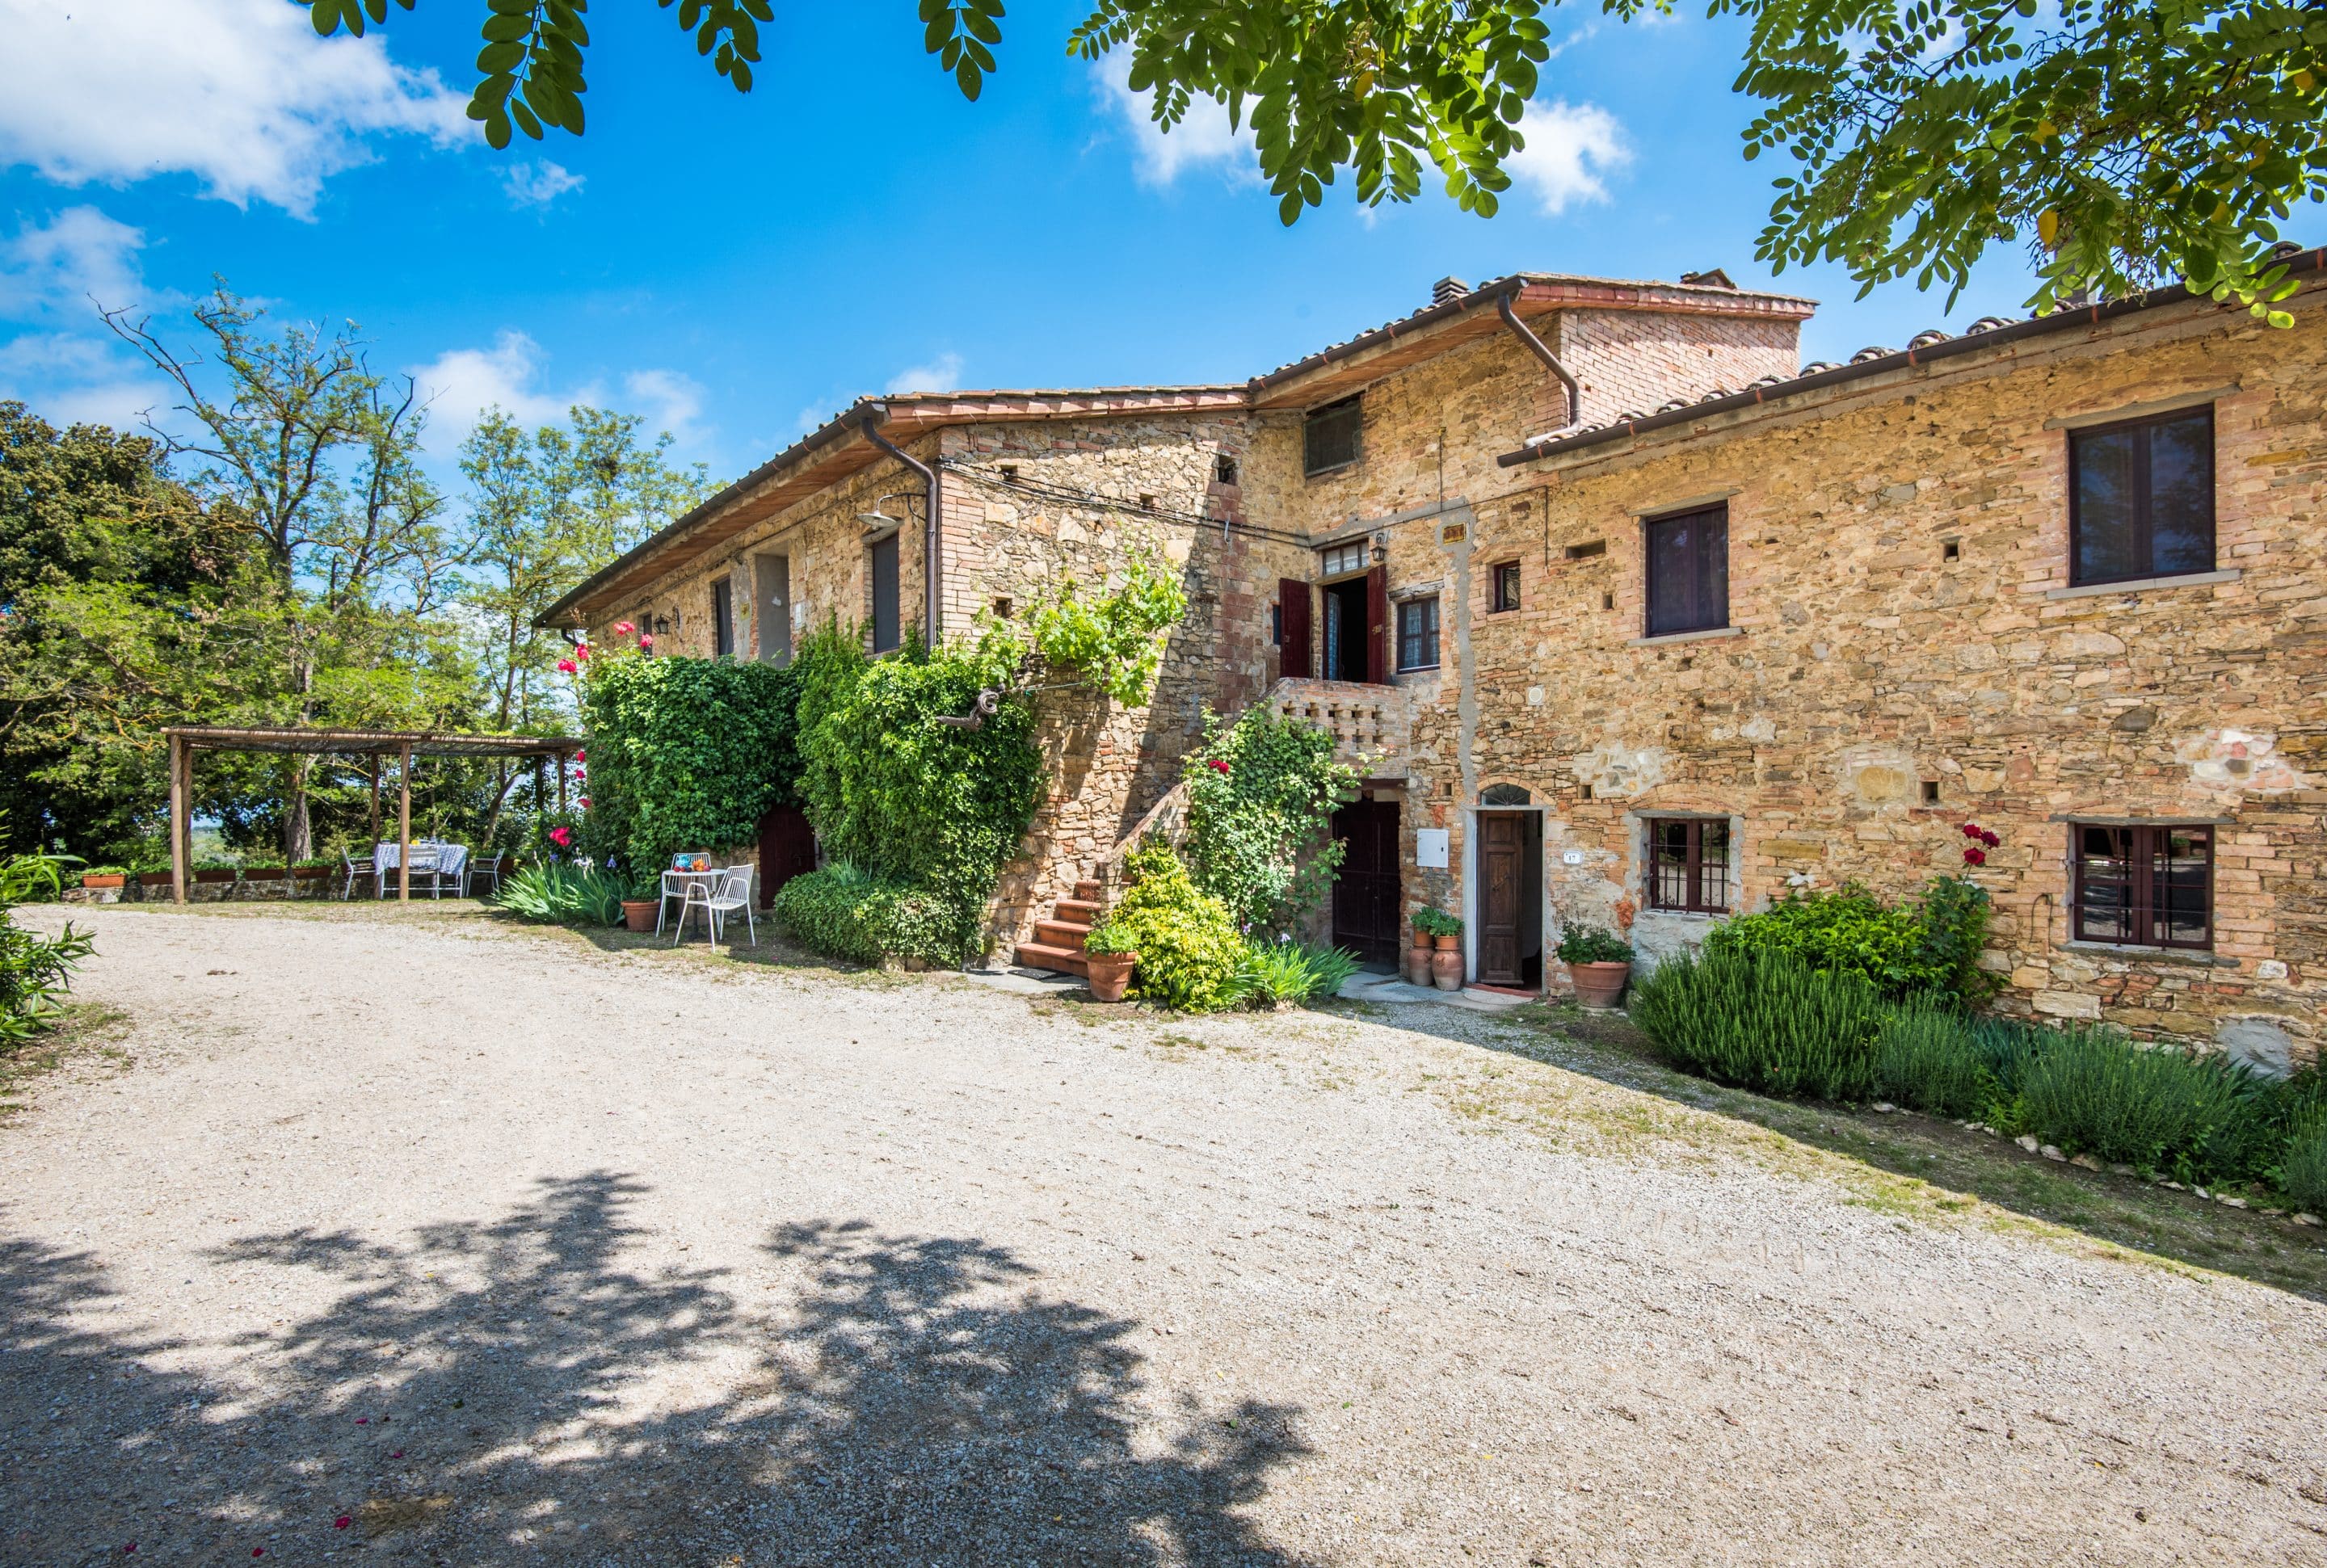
(1058, 941)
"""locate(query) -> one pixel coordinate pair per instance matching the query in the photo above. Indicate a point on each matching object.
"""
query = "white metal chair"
(352, 868)
(717, 895)
(487, 871)
(452, 864)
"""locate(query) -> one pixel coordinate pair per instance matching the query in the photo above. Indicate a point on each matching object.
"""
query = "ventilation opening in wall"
(1951, 551)
(1002, 609)
(1931, 791)
(1584, 552)
(1146, 502)
(1224, 469)
(1009, 473)
(1587, 792)
(1607, 602)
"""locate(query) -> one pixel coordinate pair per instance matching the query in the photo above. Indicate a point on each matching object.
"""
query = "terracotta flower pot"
(1598, 984)
(1447, 944)
(1109, 974)
(1417, 963)
(639, 914)
(1446, 966)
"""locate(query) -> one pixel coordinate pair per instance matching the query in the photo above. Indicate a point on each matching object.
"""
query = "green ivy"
(1261, 798)
(685, 754)
(913, 802)
(851, 914)
(1114, 642)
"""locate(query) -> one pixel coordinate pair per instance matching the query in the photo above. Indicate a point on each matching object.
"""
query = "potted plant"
(1418, 956)
(104, 876)
(1108, 958)
(1599, 961)
(1445, 934)
(643, 903)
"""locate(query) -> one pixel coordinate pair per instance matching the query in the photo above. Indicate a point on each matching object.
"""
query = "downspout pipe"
(933, 627)
(1542, 350)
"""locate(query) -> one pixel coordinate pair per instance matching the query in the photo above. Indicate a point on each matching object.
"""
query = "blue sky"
(737, 268)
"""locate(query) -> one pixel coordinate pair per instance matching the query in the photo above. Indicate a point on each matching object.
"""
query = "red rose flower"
(1990, 840)
(1971, 830)
(568, 666)
(1218, 765)
(1975, 857)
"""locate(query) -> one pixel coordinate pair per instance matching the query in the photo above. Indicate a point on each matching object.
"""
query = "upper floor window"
(1418, 634)
(2145, 887)
(1329, 440)
(1505, 594)
(2141, 498)
(1343, 559)
(723, 619)
(1688, 572)
(888, 632)
(1688, 864)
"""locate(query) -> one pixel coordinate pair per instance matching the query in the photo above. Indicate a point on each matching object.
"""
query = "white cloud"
(461, 384)
(1203, 136)
(240, 94)
(1569, 150)
(54, 278)
(539, 184)
(942, 374)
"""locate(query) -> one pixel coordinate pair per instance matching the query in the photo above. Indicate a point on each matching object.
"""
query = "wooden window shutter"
(1293, 601)
(1377, 626)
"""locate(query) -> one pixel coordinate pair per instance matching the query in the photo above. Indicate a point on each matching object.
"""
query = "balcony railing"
(1372, 725)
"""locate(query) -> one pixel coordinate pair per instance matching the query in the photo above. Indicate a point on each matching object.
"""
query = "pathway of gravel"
(425, 1238)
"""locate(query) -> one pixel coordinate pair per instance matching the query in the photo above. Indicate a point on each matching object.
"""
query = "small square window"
(1506, 594)
(1951, 551)
(1002, 609)
(1588, 550)
(2144, 886)
(1931, 791)
(1330, 436)
(1688, 864)
(1009, 473)
(1418, 634)
(1224, 469)
(1343, 559)
(2141, 498)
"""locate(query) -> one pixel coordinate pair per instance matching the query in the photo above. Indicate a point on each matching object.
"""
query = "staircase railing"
(1166, 820)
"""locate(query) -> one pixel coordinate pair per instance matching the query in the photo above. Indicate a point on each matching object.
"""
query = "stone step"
(1080, 911)
(1042, 955)
(1061, 934)
(1088, 893)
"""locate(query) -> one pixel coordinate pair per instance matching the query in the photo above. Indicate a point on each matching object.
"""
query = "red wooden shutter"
(1292, 606)
(1377, 626)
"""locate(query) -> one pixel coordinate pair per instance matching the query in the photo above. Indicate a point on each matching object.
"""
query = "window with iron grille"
(1418, 634)
(1329, 440)
(2144, 886)
(2141, 498)
(1688, 572)
(1688, 864)
(1506, 594)
(723, 619)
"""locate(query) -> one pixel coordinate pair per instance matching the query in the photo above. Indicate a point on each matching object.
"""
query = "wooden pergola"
(404, 745)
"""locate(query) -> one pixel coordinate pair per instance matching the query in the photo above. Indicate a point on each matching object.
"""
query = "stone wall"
(1900, 619)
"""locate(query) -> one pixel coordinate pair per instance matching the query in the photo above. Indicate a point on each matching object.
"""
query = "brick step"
(1080, 911)
(1042, 955)
(1088, 892)
(1061, 934)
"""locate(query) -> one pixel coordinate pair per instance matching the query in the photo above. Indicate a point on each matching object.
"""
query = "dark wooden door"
(1377, 626)
(787, 848)
(1502, 872)
(1366, 897)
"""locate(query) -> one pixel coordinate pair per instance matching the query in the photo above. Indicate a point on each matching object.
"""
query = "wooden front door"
(1365, 895)
(787, 848)
(1503, 879)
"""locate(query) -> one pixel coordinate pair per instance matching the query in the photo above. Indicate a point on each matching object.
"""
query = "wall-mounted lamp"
(879, 524)
(1381, 546)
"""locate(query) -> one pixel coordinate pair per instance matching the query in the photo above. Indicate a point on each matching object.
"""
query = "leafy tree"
(2125, 142)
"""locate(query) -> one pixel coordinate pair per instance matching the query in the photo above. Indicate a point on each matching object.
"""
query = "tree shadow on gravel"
(499, 1391)
(2115, 1210)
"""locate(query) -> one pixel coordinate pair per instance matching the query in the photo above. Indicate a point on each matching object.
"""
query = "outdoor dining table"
(427, 856)
(676, 884)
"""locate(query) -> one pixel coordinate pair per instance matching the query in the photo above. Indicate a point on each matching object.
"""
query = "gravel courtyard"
(422, 1237)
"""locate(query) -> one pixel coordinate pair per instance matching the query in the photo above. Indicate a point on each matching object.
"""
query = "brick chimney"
(1448, 288)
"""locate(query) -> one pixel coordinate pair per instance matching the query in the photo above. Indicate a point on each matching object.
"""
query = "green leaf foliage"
(34, 970)
(1191, 959)
(909, 800)
(566, 895)
(1765, 1021)
(1592, 945)
(1261, 798)
(685, 754)
(2200, 1118)
(1114, 641)
(848, 913)
(1931, 949)
(1434, 923)
(1930, 1058)
(1288, 971)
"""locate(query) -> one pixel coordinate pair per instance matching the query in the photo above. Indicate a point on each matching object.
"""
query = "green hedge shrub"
(1929, 949)
(1261, 798)
(2303, 1166)
(1766, 1021)
(1928, 1056)
(685, 754)
(1191, 957)
(845, 912)
(2201, 1118)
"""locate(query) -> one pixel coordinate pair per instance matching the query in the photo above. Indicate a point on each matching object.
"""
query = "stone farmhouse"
(1636, 620)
